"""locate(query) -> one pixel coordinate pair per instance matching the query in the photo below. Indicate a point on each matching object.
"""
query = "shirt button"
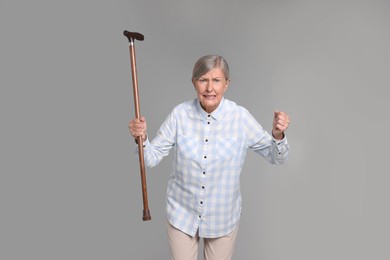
(199, 216)
(208, 123)
(204, 172)
(206, 140)
(205, 157)
(201, 202)
(202, 187)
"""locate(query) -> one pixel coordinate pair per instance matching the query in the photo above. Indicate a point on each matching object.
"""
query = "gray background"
(70, 185)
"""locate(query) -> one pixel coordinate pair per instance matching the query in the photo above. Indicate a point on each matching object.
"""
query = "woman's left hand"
(280, 124)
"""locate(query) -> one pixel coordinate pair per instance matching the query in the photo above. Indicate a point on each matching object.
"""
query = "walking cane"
(137, 36)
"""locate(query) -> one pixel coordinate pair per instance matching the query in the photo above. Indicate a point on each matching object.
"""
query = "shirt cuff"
(145, 144)
(278, 142)
(136, 140)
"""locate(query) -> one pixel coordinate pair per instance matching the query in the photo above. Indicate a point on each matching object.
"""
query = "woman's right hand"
(138, 127)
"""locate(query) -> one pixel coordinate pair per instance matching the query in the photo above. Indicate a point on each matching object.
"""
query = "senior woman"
(210, 136)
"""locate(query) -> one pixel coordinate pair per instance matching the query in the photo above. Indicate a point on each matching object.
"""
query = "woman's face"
(210, 89)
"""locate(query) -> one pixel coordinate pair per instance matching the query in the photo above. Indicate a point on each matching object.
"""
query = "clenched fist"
(138, 128)
(280, 124)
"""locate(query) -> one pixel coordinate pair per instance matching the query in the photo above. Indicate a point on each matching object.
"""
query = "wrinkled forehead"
(216, 72)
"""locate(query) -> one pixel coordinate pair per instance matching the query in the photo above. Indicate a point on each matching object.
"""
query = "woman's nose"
(209, 86)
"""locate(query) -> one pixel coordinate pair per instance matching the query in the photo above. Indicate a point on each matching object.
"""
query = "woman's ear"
(193, 83)
(227, 84)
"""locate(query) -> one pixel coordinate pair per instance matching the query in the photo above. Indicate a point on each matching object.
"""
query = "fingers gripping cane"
(137, 36)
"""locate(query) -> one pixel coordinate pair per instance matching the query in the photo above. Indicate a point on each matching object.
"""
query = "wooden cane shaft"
(135, 80)
(146, 213)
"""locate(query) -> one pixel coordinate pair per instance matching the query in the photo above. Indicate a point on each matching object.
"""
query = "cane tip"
(146, 216)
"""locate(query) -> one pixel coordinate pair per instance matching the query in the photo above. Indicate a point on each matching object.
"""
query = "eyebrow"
(202, 78)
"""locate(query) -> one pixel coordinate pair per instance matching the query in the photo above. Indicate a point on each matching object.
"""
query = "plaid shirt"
(203, 192)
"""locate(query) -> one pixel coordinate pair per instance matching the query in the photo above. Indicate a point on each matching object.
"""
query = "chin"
(209, 107)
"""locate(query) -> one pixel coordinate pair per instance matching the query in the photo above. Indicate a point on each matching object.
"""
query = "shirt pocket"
(226, 148)
(188, 146)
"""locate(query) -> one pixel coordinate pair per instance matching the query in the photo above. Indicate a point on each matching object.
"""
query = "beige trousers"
(185, 247)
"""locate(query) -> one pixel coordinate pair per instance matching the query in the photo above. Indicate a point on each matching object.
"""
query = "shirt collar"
(216, 114)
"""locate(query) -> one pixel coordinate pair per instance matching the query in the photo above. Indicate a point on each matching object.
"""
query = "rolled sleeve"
(280, 150)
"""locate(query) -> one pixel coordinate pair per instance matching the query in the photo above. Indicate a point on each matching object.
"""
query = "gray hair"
(207, 63)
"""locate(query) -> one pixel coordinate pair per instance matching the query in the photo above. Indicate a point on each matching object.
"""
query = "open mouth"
(209, 97)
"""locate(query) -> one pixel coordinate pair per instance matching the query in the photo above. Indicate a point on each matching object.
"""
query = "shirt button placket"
(204, 177)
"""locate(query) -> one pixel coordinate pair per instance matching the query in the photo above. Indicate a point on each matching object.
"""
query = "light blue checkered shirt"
(203, 192)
